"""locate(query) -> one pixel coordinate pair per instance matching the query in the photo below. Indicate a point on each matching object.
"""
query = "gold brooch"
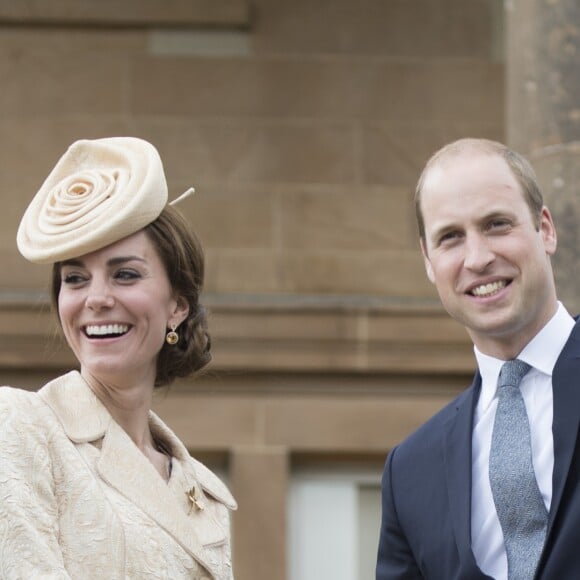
(194, 496)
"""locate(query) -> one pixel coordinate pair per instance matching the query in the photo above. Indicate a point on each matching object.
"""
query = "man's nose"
(478, 253)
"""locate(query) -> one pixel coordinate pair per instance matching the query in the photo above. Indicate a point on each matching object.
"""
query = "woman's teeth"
(106, 330)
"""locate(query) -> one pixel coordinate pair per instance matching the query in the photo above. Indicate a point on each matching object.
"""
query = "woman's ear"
(180, 312)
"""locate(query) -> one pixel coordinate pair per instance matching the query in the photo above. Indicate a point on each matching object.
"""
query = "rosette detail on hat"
(99, 192)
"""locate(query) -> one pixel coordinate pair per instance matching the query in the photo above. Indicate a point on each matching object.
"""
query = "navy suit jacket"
(426, 521)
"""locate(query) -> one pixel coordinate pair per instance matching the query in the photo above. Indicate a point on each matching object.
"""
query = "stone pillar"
(259, 480)
(543, 117)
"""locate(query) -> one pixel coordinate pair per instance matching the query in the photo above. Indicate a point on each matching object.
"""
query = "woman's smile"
(104, 331)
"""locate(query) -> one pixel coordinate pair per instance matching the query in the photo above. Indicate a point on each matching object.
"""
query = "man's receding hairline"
(464, 147)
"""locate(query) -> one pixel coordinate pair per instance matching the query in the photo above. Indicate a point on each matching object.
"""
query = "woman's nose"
(99, 297)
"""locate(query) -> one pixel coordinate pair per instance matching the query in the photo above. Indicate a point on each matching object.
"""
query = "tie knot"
(512, 372)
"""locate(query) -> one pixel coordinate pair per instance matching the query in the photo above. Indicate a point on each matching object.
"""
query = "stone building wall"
(303, 126)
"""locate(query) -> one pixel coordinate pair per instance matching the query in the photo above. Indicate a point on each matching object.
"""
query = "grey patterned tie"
(520, 508)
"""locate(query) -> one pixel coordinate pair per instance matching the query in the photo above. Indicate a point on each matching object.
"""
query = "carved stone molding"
(142, 13)
(280, 334)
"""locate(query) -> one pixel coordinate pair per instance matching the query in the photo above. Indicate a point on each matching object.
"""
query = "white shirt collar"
(541, 353)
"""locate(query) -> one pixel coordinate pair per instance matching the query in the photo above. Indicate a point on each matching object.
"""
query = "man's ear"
(427, 261)
(548, 231)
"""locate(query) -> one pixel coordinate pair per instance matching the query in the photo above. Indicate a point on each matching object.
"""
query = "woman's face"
(115, 305)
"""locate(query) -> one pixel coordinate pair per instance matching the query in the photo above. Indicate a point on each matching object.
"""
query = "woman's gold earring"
(172, 337)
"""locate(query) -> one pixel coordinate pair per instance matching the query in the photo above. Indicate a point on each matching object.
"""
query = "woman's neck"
(128, 404)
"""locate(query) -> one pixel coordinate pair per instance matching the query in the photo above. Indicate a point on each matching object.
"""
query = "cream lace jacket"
(78, 500)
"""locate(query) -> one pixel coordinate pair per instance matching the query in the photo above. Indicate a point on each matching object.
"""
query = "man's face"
(482, 251)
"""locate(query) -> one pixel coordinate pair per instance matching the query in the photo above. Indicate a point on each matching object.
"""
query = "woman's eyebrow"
(111, 262)
(123, 259)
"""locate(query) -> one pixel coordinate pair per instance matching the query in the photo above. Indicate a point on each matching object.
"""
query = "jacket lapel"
(566, 392)
(457, 446)
(123, 467)
(457, 457)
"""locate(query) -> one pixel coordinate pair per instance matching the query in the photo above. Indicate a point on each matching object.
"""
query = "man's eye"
(499, 224)
(448, 237)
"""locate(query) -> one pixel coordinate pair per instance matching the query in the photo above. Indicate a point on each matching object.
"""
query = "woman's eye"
(72, 278)
(127, 275)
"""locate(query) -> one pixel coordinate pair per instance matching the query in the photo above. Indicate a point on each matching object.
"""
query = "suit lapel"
(457, 446)
(566, 393)
(457, 457)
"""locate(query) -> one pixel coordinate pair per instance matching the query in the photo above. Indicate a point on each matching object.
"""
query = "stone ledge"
(140, 13)
(360, 335)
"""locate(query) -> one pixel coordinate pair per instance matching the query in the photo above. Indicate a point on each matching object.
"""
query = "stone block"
(231, 216)
(395, 89)
(341, 424)
(127, 12)
(394, 154)
(557, 171)
(242, 152)
(214, 42)
(338, 26)
(423, 28)
(245, 272)
(465, 90)
(259, 480)
(18, 273)
(206, 422)
(107, 41)
(326, 88)
(424, 326)
(286, 322)
(353, 219)
(69, 80)
(389, 273)
(464, 28)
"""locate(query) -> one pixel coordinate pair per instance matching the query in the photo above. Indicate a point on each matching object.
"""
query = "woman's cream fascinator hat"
(99, 192)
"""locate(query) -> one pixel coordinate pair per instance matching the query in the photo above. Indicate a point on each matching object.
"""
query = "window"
(334, 520)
